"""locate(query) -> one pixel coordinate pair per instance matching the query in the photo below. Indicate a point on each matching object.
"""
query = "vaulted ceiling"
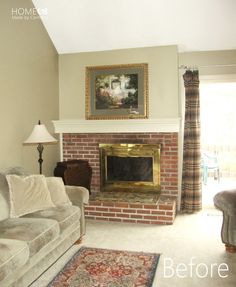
(95, 25)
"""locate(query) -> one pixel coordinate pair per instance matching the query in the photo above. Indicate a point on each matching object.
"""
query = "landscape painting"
(118, 91)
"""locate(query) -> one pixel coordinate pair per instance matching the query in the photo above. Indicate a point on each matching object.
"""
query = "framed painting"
(117, 92)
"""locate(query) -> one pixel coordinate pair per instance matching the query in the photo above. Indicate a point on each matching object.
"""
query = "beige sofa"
(31, 243)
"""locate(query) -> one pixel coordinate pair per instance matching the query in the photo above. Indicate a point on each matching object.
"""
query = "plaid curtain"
(191, 199)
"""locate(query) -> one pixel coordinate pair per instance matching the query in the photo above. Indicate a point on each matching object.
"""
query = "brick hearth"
(162, 212)
(86, 146)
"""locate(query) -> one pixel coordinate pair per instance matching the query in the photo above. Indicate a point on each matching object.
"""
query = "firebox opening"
(130, 167)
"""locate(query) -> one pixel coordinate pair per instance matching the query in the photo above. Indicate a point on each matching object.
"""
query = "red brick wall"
(85, 146)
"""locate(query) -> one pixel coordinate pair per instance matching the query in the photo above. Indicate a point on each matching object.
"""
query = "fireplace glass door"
(130, 167)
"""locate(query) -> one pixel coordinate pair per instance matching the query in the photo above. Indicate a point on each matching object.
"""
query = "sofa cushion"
(28, 194)
(64, 215)
(57, 191)
(35, 232)
(14, 254)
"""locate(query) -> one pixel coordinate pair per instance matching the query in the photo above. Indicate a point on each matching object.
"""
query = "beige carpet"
(192, 237)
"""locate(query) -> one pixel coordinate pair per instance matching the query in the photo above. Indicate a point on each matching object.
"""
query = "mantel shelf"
(117, 126)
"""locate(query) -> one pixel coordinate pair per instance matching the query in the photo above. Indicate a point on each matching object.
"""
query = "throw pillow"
(28, 194)
(58, 191)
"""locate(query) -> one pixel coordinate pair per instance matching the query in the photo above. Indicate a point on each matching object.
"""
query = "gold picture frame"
(117, 92)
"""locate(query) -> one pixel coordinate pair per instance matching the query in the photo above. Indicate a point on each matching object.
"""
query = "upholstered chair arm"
(79, 196)
(226, 201)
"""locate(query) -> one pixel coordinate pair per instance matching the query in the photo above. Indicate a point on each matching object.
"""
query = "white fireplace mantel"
(117, 126)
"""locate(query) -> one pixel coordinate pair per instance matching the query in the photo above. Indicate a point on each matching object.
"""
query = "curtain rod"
(194, 67)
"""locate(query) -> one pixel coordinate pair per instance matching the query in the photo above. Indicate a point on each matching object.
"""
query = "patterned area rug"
(94, 267)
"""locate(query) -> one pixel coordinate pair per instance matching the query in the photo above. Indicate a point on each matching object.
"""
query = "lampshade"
(40, 135)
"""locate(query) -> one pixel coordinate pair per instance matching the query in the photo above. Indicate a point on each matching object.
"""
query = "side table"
(74, 172)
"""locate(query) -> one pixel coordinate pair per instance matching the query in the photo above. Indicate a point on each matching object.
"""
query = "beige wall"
(211, 63)
(28, 87)
(163, 78)
(165, 100)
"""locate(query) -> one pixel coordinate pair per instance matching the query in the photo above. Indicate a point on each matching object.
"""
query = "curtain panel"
(191, 198)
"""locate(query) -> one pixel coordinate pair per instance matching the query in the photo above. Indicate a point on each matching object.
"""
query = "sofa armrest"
(79, 196)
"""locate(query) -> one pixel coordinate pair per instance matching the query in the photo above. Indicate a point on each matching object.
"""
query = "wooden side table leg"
(230, 248)
(79, 241)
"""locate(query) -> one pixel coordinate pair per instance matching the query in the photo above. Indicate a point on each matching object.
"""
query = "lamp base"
(40, 160)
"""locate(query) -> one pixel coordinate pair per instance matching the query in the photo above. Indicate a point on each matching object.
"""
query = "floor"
(192, 244)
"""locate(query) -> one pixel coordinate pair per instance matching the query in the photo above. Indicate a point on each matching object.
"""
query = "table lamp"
(40, 136)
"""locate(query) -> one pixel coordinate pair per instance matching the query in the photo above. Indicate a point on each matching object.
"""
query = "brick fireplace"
(86, 146)
(80, 139)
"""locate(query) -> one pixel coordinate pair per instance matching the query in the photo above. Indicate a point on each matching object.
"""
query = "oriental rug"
(91, 267)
